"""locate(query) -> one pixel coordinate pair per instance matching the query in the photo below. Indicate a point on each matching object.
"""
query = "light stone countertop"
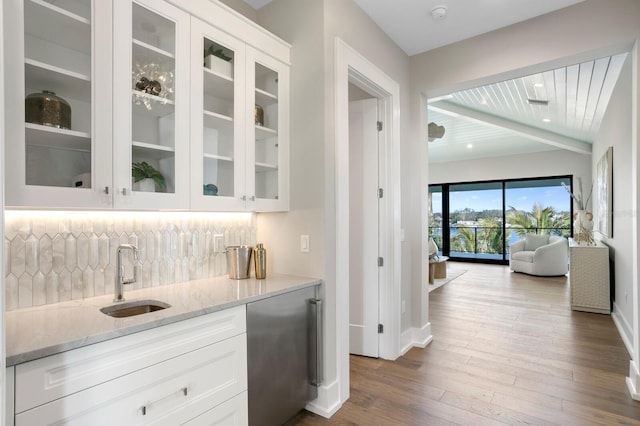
(33, 333)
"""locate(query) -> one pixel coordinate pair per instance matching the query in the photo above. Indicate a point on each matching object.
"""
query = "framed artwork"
(604, 185)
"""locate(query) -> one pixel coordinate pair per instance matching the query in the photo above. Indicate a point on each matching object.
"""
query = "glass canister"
(47, 109)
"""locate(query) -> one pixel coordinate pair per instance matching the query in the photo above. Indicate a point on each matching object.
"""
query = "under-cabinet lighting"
(469, 146)
(124, 215)
(546, 120)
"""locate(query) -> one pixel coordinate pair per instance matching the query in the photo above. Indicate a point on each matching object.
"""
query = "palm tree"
(541, 220)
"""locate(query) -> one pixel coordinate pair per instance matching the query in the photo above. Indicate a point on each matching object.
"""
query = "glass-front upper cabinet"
(217, 119)
(268, 132)
(151, 105)
(57, 104)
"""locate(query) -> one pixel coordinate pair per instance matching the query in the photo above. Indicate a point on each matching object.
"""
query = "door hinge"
(380, 192)
(380, 329)
(380, 261)
(379, 126)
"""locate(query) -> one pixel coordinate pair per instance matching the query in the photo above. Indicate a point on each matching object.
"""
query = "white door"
(363, 228)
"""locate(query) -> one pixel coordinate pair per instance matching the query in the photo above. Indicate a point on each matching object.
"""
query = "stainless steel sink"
(135, 307)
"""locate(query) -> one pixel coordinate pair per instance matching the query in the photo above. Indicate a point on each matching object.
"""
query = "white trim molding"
(328, 400)
(416, 338)
(624, 328)
(351, 67)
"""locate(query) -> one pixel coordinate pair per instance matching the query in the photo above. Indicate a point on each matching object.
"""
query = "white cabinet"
(9, 396)
(168, 375)
(151, 98)
(589, 277)
(141, 93)
(60, 47)
(239, 125)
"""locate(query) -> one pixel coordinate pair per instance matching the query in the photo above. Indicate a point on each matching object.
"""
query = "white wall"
(311, 27)
(615, 131)
(548, 163)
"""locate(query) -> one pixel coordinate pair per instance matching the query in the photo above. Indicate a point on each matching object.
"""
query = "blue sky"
(520, 198)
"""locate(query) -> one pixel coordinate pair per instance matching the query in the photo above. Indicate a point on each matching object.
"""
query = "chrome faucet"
(118, 293)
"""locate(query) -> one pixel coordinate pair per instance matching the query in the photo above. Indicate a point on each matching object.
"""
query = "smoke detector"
(438, 13)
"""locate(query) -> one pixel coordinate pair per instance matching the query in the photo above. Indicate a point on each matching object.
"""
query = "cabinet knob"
(106, 190)
(253, 198)
(124, 191)
(243, 198)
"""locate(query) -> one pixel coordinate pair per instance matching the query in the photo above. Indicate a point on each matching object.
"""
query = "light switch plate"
(218, 243)
(304, 243)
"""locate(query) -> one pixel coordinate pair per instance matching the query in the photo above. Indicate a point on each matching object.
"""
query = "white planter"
(219, 66)
(145, 185)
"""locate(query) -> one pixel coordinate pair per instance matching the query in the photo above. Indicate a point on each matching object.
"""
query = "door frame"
(351, 67)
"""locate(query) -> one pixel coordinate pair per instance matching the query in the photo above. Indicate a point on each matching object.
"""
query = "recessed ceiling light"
(546, 120)
(538, 85)
(469, 146)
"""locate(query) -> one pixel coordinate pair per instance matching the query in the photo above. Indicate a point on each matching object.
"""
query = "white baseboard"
(624, 329)
(633, 381)
(328, 400)
(415, 337)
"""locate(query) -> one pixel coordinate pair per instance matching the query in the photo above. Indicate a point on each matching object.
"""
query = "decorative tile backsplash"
(53, 257)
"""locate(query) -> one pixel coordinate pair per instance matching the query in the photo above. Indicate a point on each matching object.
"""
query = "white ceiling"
(410, 25)
(499, 119)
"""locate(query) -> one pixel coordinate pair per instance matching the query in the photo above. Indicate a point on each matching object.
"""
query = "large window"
(480, 220)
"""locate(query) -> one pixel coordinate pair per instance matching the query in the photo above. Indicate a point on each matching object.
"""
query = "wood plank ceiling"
(557, 109)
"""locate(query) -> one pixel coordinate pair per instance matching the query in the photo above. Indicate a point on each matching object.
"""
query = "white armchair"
(543, 255)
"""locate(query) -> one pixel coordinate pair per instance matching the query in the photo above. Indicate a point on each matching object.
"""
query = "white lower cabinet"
(168, 375)
(230, 413)
(9, 397)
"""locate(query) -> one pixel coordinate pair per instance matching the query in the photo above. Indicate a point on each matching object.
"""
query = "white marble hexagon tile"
(53, 257)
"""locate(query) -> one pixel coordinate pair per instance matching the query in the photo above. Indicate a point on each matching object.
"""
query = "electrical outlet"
(304, 243)
(218, 243)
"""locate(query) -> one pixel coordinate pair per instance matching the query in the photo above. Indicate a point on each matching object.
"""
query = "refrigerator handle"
(316, 355)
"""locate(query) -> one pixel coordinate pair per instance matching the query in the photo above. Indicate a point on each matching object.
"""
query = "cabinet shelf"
(217, 85)
(145, 48)
(159, 107)
(263, 133)
(52, 137)
(152, 151)
(41, 76)
(264, 167)
(264, 98)
(49, 22)
(218, 158)
(222, 123)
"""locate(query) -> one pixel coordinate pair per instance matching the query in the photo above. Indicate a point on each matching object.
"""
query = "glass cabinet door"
(55, 116)
(151, 113)
(217, 91)
(268, 131)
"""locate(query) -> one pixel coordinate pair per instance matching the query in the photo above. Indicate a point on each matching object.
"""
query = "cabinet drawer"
(50, 378)
(230, 413)
(171, 392)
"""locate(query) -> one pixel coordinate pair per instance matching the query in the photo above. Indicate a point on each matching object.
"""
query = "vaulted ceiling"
(556, 109)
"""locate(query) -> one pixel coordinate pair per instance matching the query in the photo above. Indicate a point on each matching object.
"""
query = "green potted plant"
(217, 61)
(146, 177)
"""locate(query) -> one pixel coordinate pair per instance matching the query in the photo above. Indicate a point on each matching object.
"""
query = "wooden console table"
(589, 277)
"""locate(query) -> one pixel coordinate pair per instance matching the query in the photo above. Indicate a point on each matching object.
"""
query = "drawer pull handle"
(184, 391)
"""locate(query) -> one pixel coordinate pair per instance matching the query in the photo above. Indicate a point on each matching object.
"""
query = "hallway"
(507, 349)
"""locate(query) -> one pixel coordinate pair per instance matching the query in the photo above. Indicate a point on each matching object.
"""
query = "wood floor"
(507, 349)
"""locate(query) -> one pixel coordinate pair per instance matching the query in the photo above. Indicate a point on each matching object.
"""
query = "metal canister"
(239, 261)
(260, 260)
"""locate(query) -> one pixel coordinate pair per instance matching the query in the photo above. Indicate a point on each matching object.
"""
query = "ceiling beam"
(539, 135)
